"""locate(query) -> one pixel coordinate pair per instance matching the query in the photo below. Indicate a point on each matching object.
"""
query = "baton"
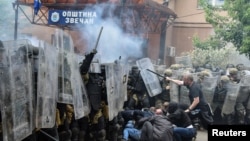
(156, 73)
(98, 37)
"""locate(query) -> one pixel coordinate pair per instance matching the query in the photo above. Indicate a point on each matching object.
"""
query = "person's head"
(172, 107)
(203, 74)
(240, 67)
(208, 66)
(224, 79)
(230, 66)
(168, 73)
(187, 79)
(233, 73)
(135, 70)
(158, 111)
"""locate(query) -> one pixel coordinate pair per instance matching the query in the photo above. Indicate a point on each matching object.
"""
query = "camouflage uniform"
(164, 96)
(138, 98)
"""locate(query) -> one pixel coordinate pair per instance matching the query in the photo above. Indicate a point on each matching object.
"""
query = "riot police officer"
(139, 97)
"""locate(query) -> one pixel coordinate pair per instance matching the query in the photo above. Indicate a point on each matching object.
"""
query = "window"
(217, 3)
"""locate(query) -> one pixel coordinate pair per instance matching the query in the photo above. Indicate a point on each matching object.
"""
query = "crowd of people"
(166, 116)
(186, 118)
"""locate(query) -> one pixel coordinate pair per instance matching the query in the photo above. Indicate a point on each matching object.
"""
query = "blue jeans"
(184, 134)
(133, 133)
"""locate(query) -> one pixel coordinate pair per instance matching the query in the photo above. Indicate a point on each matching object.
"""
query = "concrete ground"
(202, 135)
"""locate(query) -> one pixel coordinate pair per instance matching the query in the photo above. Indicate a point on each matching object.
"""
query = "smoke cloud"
(7, 20)
(114, 42)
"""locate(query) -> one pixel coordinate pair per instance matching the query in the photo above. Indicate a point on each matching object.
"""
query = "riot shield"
(184, 95)
(125, 73)
(174, 91)
(195, 76)
(151, 80)
(64, 43)
(245, 81)
(208, 86)
(230, 100)
(118, 85)
(244, 90)
(244, 94)
(80, 100)
(112, 96)
(178, 93)
(217, 74)
(16, 91)
(68, 74)
(47, 86)
(184, 60)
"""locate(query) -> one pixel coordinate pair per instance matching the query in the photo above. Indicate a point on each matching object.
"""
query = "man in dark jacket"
(156, 128)
(183, 129)
(197, 99)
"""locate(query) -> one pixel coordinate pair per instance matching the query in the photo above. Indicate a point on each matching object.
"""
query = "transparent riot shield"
(112, 96)
(195, 76)
(208, 86)
(70, 85)
(184, 95)
(16, 91)
(125, 73)
(64, 43)
(244, 90)
(245, 81)
(184, 60)
(118, 86)
(183, 92)
(230, 100)
(174, 92)
(218, 75)
(150, 79)
(80, 100)
(47, 86)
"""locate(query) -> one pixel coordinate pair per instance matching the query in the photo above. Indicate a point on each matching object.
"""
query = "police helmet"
(175, 66)
(230, 66)
(204, 73)
(224, 79)
(233, 71)
(168, 72)
(240, 67)
(208, 66)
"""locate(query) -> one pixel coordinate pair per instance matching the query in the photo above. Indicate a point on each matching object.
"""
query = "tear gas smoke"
(114, 42)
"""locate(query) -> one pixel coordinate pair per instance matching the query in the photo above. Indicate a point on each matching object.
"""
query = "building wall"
(154, 47)
(190, 22)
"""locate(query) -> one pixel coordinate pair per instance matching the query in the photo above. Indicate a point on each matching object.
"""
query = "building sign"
(66, 17)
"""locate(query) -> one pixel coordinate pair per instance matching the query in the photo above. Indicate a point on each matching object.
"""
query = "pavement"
(201, 135)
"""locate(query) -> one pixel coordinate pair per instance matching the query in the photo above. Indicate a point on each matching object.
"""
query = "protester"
(196, 97)
(183, 128)
(156, 128)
